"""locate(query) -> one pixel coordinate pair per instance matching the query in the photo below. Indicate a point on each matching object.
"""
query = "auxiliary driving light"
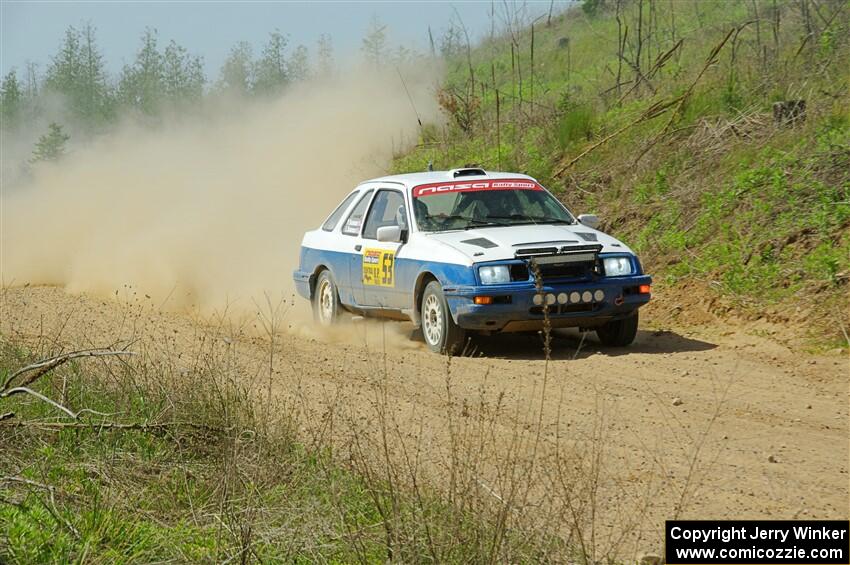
(550, 299)
(586, 296)
(562, 298)
(538, 299)
(599, 296)
(575, 297)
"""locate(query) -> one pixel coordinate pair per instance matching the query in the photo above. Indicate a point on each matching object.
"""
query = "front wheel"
(440, 331)
(619, 333)
(326, 306)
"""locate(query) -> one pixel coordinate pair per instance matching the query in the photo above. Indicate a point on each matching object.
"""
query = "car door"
(377, 269)
(351, 290)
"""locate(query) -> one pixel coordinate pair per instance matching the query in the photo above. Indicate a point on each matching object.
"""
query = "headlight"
(617, 266)
(494, 274)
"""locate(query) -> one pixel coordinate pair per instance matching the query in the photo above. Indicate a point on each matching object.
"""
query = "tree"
(50, 146)
(451, 42)
(65, 68)
(374, 45)
(11, 99)
(401, 56)
(94, 104)
(299, 64)
(182, 75)
(325, 51)
(237, 76)
(31, 80)
(78, 73)
(271, 74)
(141, 84)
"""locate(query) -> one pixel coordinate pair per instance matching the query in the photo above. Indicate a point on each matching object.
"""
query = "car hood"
(502, 242)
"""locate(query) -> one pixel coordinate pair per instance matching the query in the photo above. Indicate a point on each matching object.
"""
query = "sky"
(32, 30)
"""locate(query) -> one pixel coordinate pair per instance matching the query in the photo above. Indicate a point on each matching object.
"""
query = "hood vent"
(480, 242)
(587, 236)
(562, 253)
(534, 251)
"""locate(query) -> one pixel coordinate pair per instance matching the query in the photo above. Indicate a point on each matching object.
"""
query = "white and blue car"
(468, 250)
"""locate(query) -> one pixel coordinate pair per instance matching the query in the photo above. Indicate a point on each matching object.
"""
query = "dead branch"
(44, 366)
(680, 101)
(653, 111)
(656, 109)
(131, 426)
(710, 60)
(660, 61)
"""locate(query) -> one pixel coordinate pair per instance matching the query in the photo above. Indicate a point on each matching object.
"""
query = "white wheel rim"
(432, 320)
(326, 302)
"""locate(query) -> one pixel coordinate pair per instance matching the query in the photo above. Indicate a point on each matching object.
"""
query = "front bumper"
(514, 308)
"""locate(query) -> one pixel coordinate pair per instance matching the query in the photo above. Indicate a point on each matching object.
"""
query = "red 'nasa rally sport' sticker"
(466, 186)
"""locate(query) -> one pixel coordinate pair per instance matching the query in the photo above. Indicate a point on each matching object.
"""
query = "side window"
(333, 219)
(355, 219)
(387, 210)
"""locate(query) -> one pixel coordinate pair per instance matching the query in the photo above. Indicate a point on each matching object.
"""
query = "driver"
(481, 205)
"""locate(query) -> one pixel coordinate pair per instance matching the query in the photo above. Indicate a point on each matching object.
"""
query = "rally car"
(468, 250)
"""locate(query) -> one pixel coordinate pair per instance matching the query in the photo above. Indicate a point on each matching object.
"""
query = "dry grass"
(190, 453)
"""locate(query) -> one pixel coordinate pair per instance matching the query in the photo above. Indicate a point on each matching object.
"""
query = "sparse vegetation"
(656, 115)
(190, 468)
(660, 118)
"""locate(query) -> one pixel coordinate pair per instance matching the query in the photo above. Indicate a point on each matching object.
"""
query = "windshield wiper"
(472, 221)
(534, 219)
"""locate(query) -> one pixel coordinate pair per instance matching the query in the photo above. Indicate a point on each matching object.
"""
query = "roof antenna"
(430, 166)
(412, 105)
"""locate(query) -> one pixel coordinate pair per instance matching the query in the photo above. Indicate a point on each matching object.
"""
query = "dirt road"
(706, 423)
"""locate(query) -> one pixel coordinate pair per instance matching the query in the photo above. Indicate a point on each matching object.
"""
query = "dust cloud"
(208, 211)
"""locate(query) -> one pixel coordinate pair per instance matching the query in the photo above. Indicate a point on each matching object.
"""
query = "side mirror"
(389, 234)
(589, 220)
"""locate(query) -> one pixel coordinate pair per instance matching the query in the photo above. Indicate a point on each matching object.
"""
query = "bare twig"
(134, 426)
(681, 99)
(44, 366)
(653, 111)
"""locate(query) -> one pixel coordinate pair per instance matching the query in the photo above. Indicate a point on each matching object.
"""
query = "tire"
(619, 333)
(326, 306)
(441, 333)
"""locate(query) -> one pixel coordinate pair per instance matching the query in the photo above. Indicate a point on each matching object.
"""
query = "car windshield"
(471, 205)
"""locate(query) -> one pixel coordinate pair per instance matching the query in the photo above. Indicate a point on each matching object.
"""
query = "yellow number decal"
(378, 267)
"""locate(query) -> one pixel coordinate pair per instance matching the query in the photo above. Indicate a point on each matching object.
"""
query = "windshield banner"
(467, 186)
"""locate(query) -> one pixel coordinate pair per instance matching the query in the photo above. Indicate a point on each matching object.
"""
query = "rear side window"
(355, 219)
(333, 219)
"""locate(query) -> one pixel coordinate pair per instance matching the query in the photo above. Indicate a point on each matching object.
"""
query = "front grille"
(569, 262)
(565, 270)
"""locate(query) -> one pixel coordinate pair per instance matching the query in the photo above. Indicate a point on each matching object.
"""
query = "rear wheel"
(619, 333)
(440, 331)
(326, 306)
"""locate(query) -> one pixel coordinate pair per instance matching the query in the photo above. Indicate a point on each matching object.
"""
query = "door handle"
(358, 247)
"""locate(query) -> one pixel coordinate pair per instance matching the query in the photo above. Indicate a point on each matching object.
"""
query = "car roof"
(410, 180)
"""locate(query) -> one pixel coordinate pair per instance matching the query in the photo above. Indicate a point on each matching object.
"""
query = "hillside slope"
(659, 117)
